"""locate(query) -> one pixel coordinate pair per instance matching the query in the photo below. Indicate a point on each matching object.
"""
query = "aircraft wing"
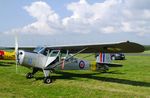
(122, 47)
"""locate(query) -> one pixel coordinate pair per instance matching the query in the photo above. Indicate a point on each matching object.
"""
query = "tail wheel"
(47, 80)
(29, 75)
(102, 68)
(106, 68)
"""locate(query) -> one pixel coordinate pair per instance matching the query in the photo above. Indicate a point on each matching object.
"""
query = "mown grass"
(130, 81)
(148, 52)
(147, 47)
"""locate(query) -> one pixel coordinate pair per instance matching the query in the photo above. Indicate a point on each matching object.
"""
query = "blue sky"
(54, 22)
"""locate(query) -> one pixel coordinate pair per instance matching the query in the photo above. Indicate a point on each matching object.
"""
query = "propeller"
(16, 53)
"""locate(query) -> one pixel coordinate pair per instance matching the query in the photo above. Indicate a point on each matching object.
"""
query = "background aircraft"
(7, 55)
(51, 58)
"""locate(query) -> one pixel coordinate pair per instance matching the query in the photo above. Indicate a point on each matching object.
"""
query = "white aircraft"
(51, 58)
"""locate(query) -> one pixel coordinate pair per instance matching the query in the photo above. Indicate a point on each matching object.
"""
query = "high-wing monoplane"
(49, 58)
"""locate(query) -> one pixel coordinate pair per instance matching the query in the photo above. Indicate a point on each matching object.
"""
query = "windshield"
(38, 49)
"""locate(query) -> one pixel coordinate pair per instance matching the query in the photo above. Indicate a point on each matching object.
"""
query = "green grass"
(130, 81)
(148, 52)
(147, 47)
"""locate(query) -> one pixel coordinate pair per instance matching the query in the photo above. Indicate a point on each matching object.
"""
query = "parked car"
(118, 56)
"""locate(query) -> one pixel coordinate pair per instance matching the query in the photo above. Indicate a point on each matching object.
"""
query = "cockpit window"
(54, 53)
(38, 49)
(46, 51)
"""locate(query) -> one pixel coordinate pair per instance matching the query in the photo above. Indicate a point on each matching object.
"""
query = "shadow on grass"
(6, 64)
(113, 72)
(69, 76)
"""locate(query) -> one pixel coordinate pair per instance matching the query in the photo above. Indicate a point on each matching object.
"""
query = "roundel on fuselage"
(81, 64)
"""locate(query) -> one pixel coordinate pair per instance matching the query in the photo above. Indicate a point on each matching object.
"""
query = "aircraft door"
(53, 57)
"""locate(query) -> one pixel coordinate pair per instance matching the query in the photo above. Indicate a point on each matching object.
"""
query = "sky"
(65, 22)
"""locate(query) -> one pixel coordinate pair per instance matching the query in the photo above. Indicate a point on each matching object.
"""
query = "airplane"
(50, 58)
(7, 55)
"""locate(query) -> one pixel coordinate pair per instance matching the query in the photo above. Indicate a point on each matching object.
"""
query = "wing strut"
(77, 53)
(59, 63)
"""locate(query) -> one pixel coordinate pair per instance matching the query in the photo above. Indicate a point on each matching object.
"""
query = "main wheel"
(47, 80)
(29, 75)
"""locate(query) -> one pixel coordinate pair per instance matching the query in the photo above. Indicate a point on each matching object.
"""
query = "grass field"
(130, 81)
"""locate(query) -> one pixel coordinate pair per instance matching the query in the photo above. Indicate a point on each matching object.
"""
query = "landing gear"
(106, 68)
(48, 80)
(29, 75)
(102, 68)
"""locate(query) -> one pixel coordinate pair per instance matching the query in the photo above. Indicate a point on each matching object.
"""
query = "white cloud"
(109, 29)
(126, 27)
(110, 16)
(47, 21)
(98, 17)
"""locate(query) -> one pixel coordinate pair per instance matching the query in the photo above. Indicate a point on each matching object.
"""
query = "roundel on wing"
(81, 64)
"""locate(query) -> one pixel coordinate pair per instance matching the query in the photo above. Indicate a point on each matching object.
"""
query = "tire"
(29, 75)
(47, 80)
(113, 58)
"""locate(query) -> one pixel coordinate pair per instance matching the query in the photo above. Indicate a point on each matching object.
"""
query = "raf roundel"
(81, 64)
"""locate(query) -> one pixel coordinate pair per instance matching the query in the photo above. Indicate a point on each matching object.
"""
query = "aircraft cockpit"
(42, 50)
(50, 52)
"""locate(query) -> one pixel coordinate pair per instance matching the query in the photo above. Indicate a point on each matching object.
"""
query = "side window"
(54, 53)
(64, 53)
(46, 51)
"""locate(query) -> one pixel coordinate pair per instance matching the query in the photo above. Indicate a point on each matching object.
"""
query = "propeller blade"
(16, 53)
